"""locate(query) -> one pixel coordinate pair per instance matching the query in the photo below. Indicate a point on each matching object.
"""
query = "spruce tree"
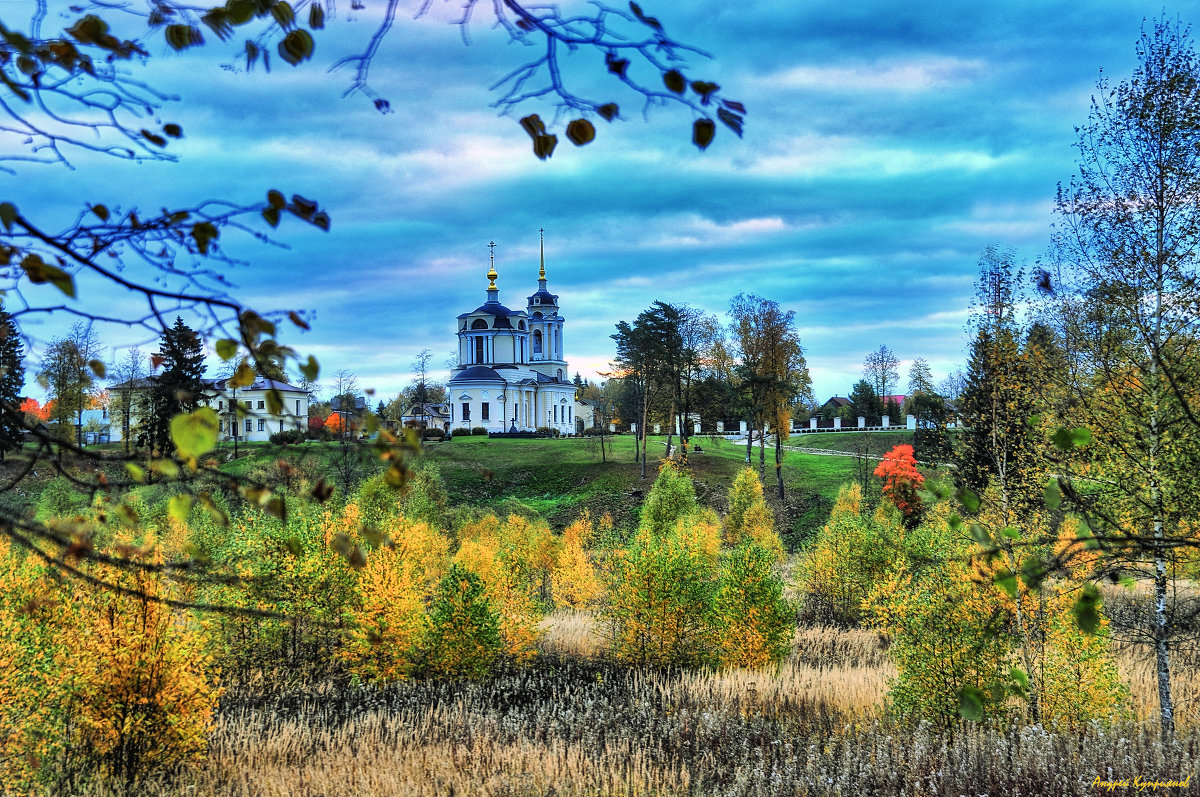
(12, 380)
(178, 388)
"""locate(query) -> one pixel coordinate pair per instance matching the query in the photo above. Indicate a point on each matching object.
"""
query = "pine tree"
(12, 379)
(178, 388)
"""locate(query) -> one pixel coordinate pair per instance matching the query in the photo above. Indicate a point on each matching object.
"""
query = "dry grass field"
(573, 724)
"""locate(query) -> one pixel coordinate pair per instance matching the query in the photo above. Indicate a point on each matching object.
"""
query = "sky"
(886, 145)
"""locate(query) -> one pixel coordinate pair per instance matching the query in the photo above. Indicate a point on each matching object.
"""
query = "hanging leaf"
(195, 434)
(179, 507)
(650, 21)
(203, 233)
(243, 376)
(310, 369)
(703, 131)
(297, 46)
(674, 81)
(970, 703)
(581, 132)
(608, 111)
(227, 348)
(1087, 609)
(543, 146)
(41, 272)
(731, 120)
(8, 214)
(1052, 494)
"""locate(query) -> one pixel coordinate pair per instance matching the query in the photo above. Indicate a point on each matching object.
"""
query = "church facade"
(512, 370)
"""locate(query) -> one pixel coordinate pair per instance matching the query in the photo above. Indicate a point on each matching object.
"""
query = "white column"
(837, 423)
(812, 423)
(862, 422)
(885, 421)
(910, 422)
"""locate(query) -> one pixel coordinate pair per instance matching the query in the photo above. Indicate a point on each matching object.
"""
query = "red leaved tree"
(901, 480)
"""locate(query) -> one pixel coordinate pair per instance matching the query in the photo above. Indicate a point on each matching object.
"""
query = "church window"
(556, 413)
(560, 376)
(485, 411)
(537, 341)
(220, 406)
(261, 405)
(466, 415)
(479, 349)
(262, 424)
(249, 425)
(479, 324)
(520, 325)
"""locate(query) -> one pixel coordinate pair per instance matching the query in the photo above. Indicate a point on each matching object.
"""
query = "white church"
(512, 374)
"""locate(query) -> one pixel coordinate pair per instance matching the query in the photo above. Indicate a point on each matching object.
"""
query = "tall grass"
(574, 724)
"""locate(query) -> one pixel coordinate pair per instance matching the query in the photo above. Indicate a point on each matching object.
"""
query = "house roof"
(476, 372)
(258, 384)
(837, 401)
(335, 403)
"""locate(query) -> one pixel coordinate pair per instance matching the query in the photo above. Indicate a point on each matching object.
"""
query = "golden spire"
(491, 275)
(542, 238)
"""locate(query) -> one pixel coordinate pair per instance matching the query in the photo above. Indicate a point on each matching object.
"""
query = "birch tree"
(1127, 249)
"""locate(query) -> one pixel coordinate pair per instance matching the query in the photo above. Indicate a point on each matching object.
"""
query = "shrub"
(478, 430)
(433, 434)
(660, 591)
(574, 582)
(287, 437)
(463, 637)
(388, 620)
(141, 700)
(849, 555)
(753, 624)
(460, 431)
(546, 431)
(671, 497)
(59, 499)
(749, 516)
(514, 559)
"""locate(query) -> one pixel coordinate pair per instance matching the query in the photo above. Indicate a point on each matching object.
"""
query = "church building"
(512, 372)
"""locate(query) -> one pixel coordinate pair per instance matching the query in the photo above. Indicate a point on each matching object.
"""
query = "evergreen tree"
(998, 446)
(866, 402)
(178, 388)
(12, 380)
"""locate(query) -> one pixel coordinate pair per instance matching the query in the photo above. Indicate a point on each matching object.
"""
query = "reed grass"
(575, 724)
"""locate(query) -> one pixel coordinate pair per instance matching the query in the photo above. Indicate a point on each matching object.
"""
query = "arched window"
(479, 348)
(520, 325)
(560, 376)
(479, 324)
(537, 341)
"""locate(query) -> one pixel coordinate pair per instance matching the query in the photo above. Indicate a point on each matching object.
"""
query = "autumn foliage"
(901, 481)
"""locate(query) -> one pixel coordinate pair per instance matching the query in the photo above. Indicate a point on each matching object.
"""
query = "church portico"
(511, 371)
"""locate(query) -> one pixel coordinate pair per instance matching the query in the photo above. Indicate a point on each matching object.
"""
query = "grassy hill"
(558, 479)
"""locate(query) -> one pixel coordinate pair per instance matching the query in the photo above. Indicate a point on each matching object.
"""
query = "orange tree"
(902, 481)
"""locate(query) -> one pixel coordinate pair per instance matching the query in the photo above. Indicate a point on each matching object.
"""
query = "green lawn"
(560, 478)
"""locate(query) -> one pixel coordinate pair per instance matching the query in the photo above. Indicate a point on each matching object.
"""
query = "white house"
(245, 413)
(255, 422)
(512, 370)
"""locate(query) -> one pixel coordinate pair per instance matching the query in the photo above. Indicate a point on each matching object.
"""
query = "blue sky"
(886, 145)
